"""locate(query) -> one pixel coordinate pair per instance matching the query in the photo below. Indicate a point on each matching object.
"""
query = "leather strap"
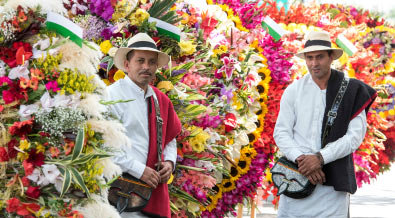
(159, 124)
(332, 113)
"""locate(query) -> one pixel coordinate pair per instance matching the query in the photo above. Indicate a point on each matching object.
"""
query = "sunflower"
(234, 173)
(232, 17)
(243, 166)
(253, 136)
(228, 185)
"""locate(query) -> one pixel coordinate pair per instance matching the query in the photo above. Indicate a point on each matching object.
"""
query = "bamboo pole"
(252, 207)
(239, 211)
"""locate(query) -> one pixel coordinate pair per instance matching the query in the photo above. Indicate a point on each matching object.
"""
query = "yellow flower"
(138, 17)
(22, 156)
(198, 141)
(40, 148)
(119, 75)
(165, 85)
(105, 46)
(187, 47)
(24, 145)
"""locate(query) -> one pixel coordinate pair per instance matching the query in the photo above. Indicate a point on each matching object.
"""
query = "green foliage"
(160, 10)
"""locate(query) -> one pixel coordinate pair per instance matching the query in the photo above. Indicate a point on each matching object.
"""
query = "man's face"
(318, 63)
(141, 67)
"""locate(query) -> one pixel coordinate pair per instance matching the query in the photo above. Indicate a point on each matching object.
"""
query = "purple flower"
(102, 8)
(376, 41)
(227, 93)
(107, 33)
(177, 72)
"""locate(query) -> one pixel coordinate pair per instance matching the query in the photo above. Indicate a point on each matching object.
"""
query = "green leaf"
(77, 178)
(194, 110)
(110, 64)
(194, 97)
(106, 59)
(79, 144)
(114, 102)
(66, 180)
(86, 158)
(37, 93)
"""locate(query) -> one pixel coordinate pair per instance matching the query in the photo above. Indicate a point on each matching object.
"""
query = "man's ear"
(126, 64)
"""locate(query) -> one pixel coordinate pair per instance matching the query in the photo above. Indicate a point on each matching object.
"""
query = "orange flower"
(54, 152)
(36, 73)
(33, 83)
(23, 83)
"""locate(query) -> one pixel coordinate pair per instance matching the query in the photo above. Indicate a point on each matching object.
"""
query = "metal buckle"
(159, 119)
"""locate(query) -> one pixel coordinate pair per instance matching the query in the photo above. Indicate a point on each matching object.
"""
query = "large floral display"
(225, 80)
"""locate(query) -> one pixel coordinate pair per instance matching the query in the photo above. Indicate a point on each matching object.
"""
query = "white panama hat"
(143, 42)
(319, 41)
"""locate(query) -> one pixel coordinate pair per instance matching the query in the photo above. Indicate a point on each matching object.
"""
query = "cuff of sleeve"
(326, 155)
(138, 169)
(295, 153)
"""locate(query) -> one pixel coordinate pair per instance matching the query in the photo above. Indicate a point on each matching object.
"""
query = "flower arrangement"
(55, 153)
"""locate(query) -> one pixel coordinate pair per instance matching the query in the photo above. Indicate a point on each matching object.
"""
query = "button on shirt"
(298, 131)
(134, 116)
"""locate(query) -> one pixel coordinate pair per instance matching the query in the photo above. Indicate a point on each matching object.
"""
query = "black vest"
(359, 96)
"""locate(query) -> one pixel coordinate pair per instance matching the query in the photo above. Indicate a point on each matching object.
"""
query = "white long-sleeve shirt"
(298, 131)
(134, 116)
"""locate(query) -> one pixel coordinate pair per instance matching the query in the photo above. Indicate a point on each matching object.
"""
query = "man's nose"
(146, 65)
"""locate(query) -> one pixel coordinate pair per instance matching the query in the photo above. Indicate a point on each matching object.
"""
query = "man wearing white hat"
(305, 110)
(140, 60)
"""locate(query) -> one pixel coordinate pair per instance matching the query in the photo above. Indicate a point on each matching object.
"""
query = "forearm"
(349, 142)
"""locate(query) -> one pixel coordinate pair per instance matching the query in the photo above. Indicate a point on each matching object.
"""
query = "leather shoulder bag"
(127, 193)
(285, 175)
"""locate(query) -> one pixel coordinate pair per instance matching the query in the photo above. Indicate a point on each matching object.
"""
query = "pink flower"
(52, 85)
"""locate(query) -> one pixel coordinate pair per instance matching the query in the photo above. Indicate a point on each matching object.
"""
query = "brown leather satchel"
(127, 193)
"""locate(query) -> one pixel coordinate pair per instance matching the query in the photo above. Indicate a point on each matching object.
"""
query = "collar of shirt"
(136, 89)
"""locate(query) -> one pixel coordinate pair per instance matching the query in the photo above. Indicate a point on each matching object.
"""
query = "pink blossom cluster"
(245, 187)
(277, 58)
(363, 176)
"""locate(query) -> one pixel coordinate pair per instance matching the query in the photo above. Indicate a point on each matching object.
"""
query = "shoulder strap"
(332, 113)
(159, 124)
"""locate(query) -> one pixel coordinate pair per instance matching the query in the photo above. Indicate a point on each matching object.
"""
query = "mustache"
(145, 72)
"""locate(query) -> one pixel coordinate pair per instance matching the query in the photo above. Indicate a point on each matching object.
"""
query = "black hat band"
(318, 42)
(141, 44)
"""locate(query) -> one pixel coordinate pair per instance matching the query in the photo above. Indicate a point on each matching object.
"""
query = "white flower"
(112, 51)
(26, 110)
(2, 68)
(35, 175)
(58, 184)
(20, 71)
(205, 164)
(51, 172)
(43, 181)
(47, 102)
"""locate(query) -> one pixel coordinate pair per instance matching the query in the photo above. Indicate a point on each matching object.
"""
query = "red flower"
(25, 181)
(11, 148)
(21, 128)
(36, 158)
(12, 205)
(25, 208)
(8, 96)
(230, 122)
(22, 56)
(3, 154)
(28, 167)
(33, 192)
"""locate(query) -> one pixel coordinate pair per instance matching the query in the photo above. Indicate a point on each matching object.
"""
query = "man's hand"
(308, 164)
(317, 176)
(166, 168)
(151, 177)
